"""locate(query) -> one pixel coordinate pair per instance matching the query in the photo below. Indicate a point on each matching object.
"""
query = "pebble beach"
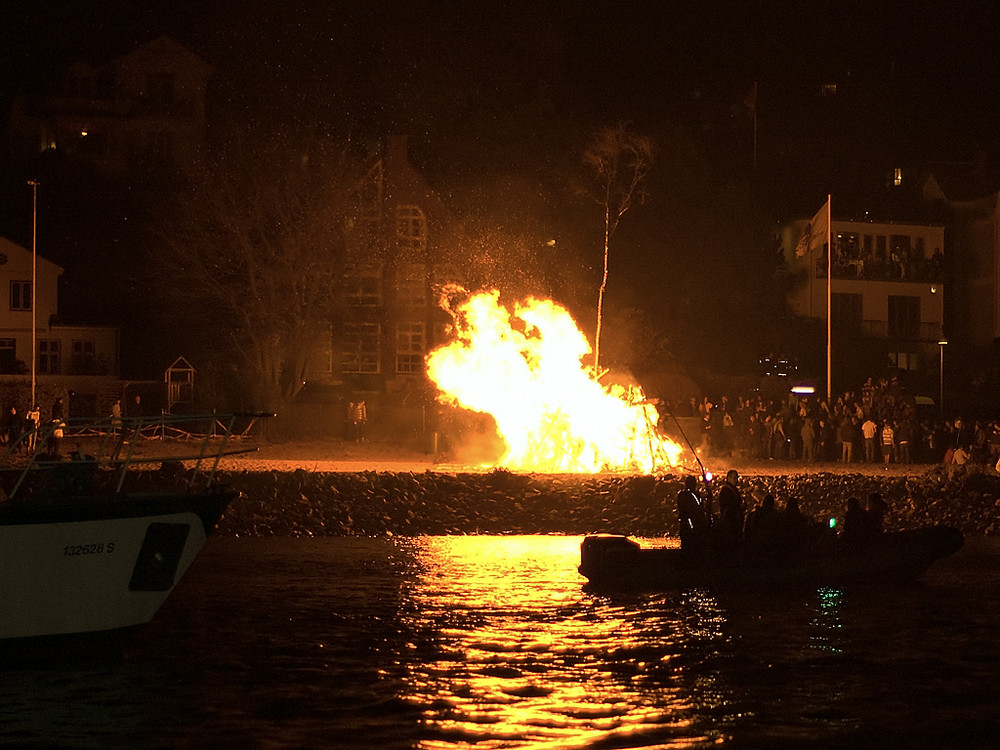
(347, 489)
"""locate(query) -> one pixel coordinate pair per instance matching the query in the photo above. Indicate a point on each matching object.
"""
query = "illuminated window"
(411, 228)
(49, 356)
(409, 348)
(904, 360)
(20, 295)
(360, 354)
(897, 177)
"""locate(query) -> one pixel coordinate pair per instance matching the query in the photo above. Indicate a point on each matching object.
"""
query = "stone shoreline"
(407, 503)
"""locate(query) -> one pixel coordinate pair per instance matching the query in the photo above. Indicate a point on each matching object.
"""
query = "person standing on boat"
(856, 524)
(762, 529)
(727, 531)
(694, 522)
(875, 514)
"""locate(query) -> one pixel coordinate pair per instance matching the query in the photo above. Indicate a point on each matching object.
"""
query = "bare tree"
(620, 161)
(255, 246)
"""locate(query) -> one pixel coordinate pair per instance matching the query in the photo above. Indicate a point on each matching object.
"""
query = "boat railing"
(120, 445)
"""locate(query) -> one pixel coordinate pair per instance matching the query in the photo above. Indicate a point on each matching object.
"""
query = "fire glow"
(525, 370)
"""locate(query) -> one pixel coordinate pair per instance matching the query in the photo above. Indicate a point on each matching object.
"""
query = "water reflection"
(524, 652)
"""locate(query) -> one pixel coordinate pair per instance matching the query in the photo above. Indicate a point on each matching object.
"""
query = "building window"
(20, 295)
(904, 360)
(160, 89)
(361, 348)
(8, 356)
(880, 247)
(904, 317)
(847, 313)
(83, 357)
(363, 291)
(411, 228)
(411, 284)
(49, 357)
(409, 348)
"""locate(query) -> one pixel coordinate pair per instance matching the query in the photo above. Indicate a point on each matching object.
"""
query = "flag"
(814, 234)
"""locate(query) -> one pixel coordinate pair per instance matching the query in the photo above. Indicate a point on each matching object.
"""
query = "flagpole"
(829, 303)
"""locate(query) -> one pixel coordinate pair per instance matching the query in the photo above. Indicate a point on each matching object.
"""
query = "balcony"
(920, 332)
(925, 271)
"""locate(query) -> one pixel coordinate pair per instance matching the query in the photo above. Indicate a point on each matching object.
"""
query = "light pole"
(34, 276)
(942, 344)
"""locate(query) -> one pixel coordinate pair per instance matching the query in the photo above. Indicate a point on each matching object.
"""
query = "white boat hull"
(92, 576)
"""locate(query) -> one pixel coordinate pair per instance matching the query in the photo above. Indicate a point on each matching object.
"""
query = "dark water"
(492, 642)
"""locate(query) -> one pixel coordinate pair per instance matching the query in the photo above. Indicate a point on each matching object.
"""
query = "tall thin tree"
(619, 160)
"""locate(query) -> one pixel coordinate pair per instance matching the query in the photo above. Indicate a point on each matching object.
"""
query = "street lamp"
(34, 276)
(942, 344)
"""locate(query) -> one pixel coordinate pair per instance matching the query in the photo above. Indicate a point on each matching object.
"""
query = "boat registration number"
(100, 548)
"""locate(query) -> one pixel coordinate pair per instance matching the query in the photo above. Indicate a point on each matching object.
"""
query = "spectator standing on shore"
(357, 416)
(847, 436)
(888, 441)
(116, 418)
(869, 431)
(808, 433)
(904, 436)
(11, 421)
(32, 421)
(959, 458)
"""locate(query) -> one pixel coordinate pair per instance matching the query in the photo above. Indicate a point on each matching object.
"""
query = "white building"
(887, 296)
(78, 362)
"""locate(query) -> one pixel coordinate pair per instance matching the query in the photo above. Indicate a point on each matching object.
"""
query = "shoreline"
(359, 495)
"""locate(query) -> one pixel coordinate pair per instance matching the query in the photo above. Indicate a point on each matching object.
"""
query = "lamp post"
(942, 344)
(34, 276)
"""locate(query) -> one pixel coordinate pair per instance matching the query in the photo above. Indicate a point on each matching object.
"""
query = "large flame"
(525, 369)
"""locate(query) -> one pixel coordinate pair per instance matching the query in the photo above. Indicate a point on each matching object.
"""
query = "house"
(405, 245)
(145, 110)
(886, 295)
(972, 213)
(79, 363)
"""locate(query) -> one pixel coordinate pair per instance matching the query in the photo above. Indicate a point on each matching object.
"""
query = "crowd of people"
(876, 424)
(722, 525)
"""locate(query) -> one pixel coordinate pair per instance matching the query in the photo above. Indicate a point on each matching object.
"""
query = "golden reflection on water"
(525, 657)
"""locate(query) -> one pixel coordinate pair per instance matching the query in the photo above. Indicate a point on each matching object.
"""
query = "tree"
(254, 248)
(620, 161)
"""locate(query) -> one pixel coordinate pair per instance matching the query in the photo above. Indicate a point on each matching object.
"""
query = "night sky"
(498, 101)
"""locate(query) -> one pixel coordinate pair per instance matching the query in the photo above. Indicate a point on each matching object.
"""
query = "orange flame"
(525, 370)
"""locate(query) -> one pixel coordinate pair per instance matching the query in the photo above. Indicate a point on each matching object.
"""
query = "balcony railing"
(923, 272)
(879, 329)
